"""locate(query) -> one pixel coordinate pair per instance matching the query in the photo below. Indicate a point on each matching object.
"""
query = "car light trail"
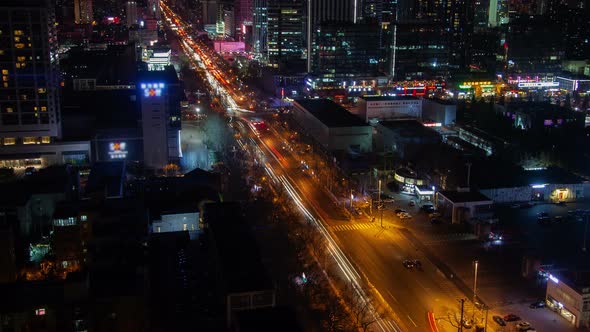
(217, 82)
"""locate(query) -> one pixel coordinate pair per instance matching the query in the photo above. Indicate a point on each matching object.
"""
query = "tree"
(364, 309)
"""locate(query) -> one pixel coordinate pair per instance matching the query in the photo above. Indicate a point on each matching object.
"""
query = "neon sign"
(537, 84)
(118, 150)
(152, 89)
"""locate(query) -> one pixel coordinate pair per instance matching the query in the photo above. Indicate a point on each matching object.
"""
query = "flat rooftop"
(409, 128)
(330, 113)
(385, 98)
(465, 196)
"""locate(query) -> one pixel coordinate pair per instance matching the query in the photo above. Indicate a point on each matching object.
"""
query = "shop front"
(407, 180)
(559, 308)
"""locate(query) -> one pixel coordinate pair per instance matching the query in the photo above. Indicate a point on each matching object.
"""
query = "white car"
(523, 326)
(404, 216)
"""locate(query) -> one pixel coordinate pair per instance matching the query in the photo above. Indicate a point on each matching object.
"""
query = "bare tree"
(364, 309)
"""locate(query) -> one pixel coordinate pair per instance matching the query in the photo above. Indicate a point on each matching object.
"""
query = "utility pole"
(485, 328)
(468, 174)
(586, 217)
(475, 287)
(461, 322)
(380, 207)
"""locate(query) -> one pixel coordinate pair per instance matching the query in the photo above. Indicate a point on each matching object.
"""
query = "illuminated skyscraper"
(131, 12)
(83, 11)
(285, 31)
(29, 66)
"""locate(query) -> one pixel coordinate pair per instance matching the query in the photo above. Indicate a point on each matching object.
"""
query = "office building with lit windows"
(83, 12)
(29, 98)
(285, 32)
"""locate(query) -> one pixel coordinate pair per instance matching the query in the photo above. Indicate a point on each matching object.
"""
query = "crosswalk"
(353, 227)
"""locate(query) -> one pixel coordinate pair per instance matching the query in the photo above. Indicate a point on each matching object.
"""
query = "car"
(427, 208)
(435, 221)
(408, 264)
(499, 320)
(411, 203)
(523, 326)
(511, 318)
(405, 216)
(30, 170)
(397, 211)
(538, 304)
(434, 215)
(402, 212)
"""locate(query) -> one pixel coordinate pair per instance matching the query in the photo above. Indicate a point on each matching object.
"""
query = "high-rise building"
(131, 12)
(346, 51)
(83, 12)
(285, 31)
(320, 11)
(260, 27)
(243, 10)
(29, 99)
(210, 10)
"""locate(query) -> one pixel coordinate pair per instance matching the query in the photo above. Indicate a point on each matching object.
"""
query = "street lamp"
(475, 286)
(351, 198)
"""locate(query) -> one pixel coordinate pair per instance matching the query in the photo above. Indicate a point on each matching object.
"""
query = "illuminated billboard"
(538, 84)
(152, 89)
(118, 150)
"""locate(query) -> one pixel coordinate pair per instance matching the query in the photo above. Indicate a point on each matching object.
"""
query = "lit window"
(17, 65)
(5, 78)
(43, 109)
(83, 217)
(40, 312)
(23, 97)
(6, 85)
(9, 110)
(29, 140)
(47, 140)
(1, 52)
(185, 227)
(20, 58)
(9, 140)
(19, 45)
(158, 229)
(18, 32)
(41, 90)
(4, 71)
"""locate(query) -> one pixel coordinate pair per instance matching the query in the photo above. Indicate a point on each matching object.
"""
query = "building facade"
(389, 107)
(29, 96)
(83, 12)
(285, 32)
(570, 301)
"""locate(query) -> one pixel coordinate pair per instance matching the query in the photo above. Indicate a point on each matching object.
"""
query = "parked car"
(30, 171)
(411, 203)
(511, 318)
(538, 304)
(405, 216)
(427, 208)
(408, 264)
(402, 212)
(397, 211)
(434, 215)
(499, 320)
(523, 326)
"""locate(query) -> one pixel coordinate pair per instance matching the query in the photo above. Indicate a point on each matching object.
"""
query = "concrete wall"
(343, 138)
(390, 109)
(444, 113)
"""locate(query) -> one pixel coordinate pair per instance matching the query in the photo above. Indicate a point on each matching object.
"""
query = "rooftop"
(382, 98)
(465, 196)
(409, 128)
(330, 113)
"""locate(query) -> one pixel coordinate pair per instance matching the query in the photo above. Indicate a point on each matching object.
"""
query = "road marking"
(411, 320)
(352, 227)
(393, 297)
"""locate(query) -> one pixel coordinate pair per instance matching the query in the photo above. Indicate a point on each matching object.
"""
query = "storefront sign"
(118, 150)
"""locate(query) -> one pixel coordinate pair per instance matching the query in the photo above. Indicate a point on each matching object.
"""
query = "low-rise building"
(389, 107)
(405, 137)
(439, 111)
(551, 184)
(570, 298)
(463, 206)
(332, 126)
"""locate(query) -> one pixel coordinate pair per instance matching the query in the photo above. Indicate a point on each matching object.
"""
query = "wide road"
(377, 252)
(363, 250)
